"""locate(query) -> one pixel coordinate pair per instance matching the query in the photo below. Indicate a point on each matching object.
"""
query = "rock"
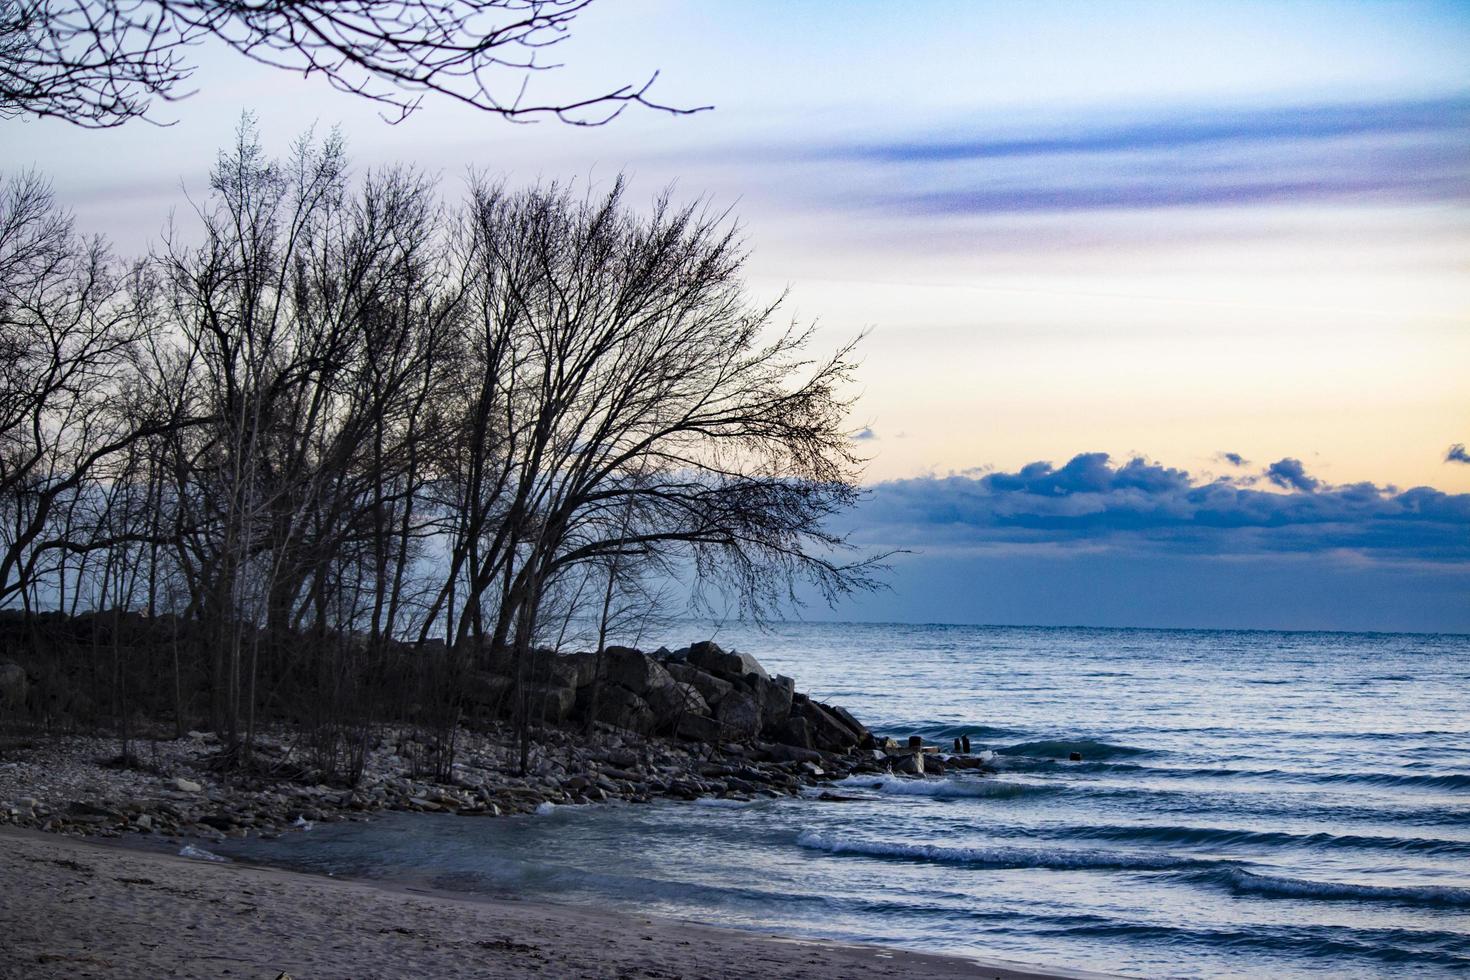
(675, 700)
(550, 703)
(916, 743)
(740, 714)
(710, 687)
(183, 785)
(775, 698)
(707, 654)
(910, 765)
(557, 670)
(634, 670)
(858, 728)
(794, 731)
(1074, 757)
(14, 686)
(698, 728)
(827, 732)
(487, 690)
(792, 753)
(621, 708)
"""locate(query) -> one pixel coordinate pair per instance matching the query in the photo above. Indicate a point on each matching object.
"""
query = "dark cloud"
(1234, 459)
(1290, 474)
(1457, 454)
(1092, 503)
(864, 435)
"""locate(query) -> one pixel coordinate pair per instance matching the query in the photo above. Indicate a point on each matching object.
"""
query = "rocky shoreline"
(698, 722)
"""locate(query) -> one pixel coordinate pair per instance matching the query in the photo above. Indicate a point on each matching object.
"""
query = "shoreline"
(71, 907)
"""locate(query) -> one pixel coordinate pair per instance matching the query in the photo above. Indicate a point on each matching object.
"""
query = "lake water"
(1291, 804)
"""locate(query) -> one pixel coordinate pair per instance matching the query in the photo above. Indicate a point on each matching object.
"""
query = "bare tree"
(102, 62)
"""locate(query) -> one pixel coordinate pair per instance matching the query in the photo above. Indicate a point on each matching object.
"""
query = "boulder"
(740, 714)
(621, 708)
(486, 690)
(557, 670)
(858, 728)
(634, 670)
(14, 686)
(711, 657)
(794, 731)
(549, 702)
(698, 728)
(910, 765)
(775, 698)
(184, 785)
(670, 702)
(827, 732)
(710, 687)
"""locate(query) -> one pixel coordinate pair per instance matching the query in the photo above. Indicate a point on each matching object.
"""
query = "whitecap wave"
(200, 854)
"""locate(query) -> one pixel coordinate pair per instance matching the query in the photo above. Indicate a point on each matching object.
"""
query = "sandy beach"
(72, 908)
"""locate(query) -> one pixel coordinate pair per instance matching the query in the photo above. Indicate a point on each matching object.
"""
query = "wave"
(1246, 882)
(1449, 780)
(1224, 837)
(999, 856)
(1014, 759)
(1060, 749)
(1416, 947)
(949, 788)
(944, 731)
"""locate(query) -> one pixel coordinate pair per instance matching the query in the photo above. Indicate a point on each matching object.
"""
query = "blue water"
(1291, 804)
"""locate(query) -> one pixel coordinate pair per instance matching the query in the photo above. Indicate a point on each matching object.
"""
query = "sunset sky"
(1228, 239)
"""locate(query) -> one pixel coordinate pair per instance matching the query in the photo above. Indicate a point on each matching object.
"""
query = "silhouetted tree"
(103, 62)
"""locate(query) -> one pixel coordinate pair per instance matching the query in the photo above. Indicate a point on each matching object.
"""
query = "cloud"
(1290, 474)
(1457, 454)
(1220, 127)
(1234, 459)
(1405, 151)
(864, 435)
(1091, 503)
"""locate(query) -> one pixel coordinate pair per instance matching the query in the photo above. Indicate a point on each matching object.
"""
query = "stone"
(556, 670)
(633, 670)
(775, 697)
(794, 731)
(711, 657)
(487, 690)
(827, 732)
(740, 714)
(916, 743)
(14, 686)
(910, 765)
(184, 785)
(710, 687)
(548, 702)
(675, 700)
(698, 728)
(843, 715)
(621, 708)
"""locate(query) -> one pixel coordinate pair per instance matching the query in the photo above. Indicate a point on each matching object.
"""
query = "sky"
(1207, 261)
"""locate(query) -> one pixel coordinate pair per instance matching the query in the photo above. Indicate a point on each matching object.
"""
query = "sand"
(73, 908)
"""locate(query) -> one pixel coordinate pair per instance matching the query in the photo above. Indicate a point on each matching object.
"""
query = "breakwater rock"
(698, 722)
